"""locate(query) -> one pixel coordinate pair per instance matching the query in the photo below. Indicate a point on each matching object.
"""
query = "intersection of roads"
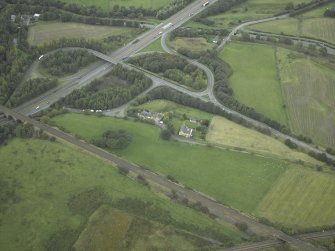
(120, 56)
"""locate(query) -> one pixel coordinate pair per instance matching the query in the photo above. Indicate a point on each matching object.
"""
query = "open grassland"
(45, 32)
(300, 199)
(192, 43)
(109, 4)
(310, 24)
(225, 132)
(248, 11)
(309, 90)
(154, 46)
(44, 198)
(237, 179)
(254, 79)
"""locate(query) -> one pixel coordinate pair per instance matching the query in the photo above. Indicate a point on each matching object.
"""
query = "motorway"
(227, 214)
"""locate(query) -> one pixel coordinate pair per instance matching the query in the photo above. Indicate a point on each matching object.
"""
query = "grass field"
(248, 11)
(154, 46)
(215, 172)
(255, 81)
(109, 4)
(42, 177)
(45, 32)
(225, 132)
(301, 198)
(309, 90)
(192, 43)
(310, 24)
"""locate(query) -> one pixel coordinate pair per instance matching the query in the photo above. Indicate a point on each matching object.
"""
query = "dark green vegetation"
(66, 62)
(119, 86)
(330, 13)
(327, 243)
(113, 139)
(172, 67)
(31, 89)
(51, 189)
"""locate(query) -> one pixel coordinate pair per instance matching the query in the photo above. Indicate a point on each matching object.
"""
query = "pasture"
(309, 90)
(300, 199)
(255, 79)
(109, 4)
(310, 24)
(237, 179)
(192, 43)
(45, 32)
(46, 198)
(227, 133)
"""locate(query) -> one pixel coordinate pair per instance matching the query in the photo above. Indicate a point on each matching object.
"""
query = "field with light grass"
(227, 133)
(255, 79)
(45, 32)
(48, 190)
(300, 199)
(192, 43)
(309, 89)
(310, 24)
(109, 4)
(154, 46)
(215, 172)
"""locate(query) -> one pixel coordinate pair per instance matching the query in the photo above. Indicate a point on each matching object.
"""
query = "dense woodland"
(66, 61)
(172, 67)
(104, 93)
(31, 89)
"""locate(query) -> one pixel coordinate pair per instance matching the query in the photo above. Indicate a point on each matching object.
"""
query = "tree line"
(174, 7)
(172, 67)
(330, 13)
(101, 97)
(64, 62)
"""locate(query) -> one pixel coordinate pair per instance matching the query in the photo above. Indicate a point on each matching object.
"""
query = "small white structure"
(36, 16)
(12, 18)
(185, 131)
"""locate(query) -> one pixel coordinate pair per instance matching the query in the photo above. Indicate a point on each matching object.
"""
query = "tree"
(165, 134)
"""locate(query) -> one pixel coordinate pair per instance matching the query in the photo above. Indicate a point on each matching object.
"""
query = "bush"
(113, 139)
(165, 134)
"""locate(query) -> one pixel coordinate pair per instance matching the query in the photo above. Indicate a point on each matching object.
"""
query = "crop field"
(309, 90)
(215, 172)
(192, 43)
(301, 198)
(227, 133)
(109, 4)
(248, 11)
(255, 80)
(45, 198)
(310, 24)
(45, 32)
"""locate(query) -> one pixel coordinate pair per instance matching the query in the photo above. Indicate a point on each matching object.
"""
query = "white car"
(37, 107)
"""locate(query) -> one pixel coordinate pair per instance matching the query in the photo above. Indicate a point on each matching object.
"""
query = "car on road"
(190, 14)
(136, 41)
(160, 33)
(37, 107)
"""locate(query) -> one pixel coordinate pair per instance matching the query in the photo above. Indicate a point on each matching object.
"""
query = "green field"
(227, 133)
(255, 81)
(109, 4)
(43, 206)
(309, 90)
(300, 199)
(248, 11)
(154, 46)
(215, 172)
(310, 24)
(45, 32)
(192, 43)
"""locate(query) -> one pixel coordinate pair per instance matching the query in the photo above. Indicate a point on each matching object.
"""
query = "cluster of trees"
(172, 67)
(7, 131)
(113, 139)
(174, 7)
(330, 13)
(189, 32)
(97, 96)
(31, 89)
(63, 62)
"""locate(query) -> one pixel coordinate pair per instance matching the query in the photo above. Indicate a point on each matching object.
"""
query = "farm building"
(185, 131)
